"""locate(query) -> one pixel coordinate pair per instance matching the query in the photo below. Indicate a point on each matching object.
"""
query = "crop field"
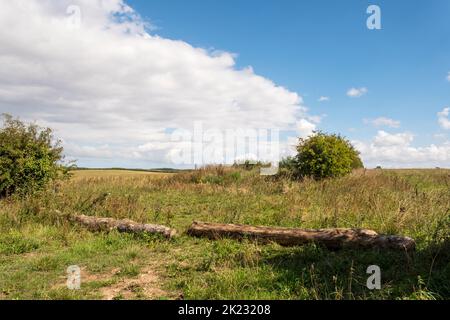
(38, 243)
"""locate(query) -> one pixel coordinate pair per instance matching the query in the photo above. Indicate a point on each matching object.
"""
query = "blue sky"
(321, 48)
(116, 91)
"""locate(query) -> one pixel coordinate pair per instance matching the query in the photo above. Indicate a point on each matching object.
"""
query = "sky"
(125, 83)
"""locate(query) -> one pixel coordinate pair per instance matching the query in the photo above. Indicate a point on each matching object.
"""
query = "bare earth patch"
(86, 277)
(146, 286)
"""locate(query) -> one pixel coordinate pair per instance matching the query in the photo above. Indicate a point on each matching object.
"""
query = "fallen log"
(331, 238)
(128, 226)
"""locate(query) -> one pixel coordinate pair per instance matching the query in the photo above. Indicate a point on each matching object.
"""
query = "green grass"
(37, 244)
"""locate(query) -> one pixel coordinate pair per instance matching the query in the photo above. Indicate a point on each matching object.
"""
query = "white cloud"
(448, 76)
(357, 92)
(323, 99)
(384, 122)
(384, 139)
(443, 118)
(108, 86)
(305, 128)
(112, 90)
(396, 150)
(316, 119)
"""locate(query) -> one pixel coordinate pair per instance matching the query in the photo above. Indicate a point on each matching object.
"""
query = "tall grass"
(414, 203)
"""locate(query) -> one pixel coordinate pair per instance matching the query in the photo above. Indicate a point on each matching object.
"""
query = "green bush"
(249, 165)
(325, 156)
(289, 164)
(29, 157)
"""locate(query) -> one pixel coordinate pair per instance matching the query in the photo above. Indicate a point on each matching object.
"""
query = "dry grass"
(87, 174)
(36, 245)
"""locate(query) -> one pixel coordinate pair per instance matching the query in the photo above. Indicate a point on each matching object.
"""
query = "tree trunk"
(330, 238)
(108, 224)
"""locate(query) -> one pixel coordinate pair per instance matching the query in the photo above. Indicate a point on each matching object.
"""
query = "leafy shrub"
(29, 157)
(324, 156)
(288, 163)
(249, 165)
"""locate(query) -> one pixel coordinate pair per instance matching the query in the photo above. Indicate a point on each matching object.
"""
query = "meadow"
(38, 243)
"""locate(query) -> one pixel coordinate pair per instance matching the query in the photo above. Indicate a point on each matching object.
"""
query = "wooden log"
(128, 226)
(330, 238)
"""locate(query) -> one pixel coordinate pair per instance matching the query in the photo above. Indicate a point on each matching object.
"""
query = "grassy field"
(37, 243)
(86, 174)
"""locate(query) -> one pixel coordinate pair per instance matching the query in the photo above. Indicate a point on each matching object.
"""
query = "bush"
(325, 156)
(29, 157)
(249, 165)
(289, 163)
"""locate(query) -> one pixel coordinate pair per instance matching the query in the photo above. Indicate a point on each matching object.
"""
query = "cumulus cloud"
(384, 139)
(448, 76)
(114, 91)
(110, 88)
(384, 122)
(305, 128)
(357, 92)
(443, 118)
(396, 150)
(324, 99)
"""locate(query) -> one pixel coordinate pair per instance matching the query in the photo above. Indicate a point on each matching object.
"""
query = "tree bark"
(330, 238)
(108, 224)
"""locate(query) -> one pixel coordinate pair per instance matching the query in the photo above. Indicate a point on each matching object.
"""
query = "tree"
(325, 156)
(29, 157)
